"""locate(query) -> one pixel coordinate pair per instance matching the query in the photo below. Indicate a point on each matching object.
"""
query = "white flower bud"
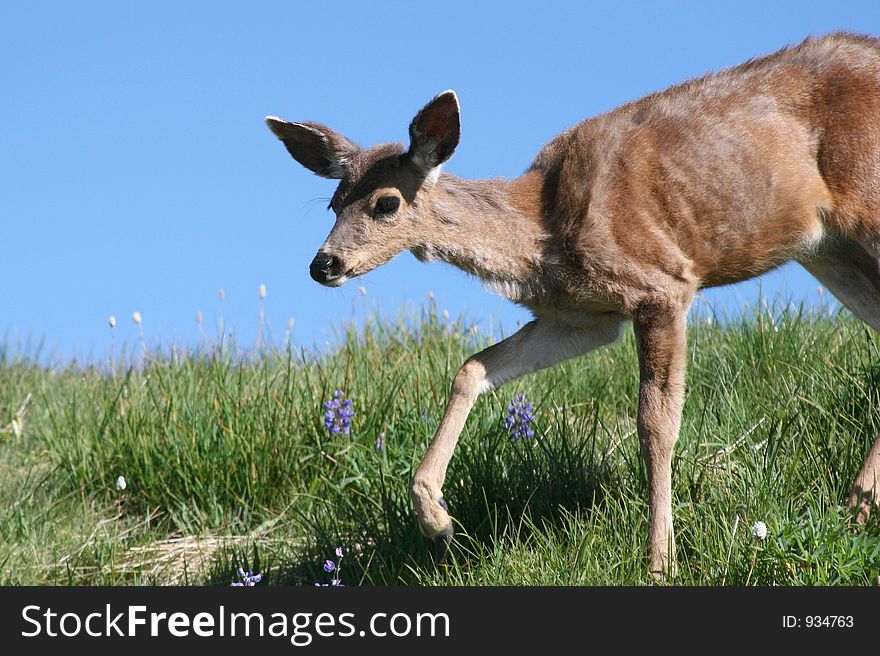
(120, 483)
(137, 317)
(262, 291)
(112, 321)
(759, 531)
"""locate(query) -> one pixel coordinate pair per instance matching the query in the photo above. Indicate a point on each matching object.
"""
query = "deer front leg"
(539, 344)
(661, 343)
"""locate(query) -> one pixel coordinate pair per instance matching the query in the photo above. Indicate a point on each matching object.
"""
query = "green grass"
(227, 462)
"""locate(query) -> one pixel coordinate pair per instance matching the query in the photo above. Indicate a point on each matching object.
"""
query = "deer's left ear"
(435, 131)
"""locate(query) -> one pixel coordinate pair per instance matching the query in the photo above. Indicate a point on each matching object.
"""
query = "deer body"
(624, 217)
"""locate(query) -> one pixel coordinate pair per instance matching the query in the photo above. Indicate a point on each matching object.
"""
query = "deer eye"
(387, 204)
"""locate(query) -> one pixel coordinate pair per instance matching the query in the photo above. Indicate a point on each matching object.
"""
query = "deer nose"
(322, 267)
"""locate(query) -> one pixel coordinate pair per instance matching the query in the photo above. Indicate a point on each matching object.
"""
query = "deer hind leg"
(537, 345)
(852, 274)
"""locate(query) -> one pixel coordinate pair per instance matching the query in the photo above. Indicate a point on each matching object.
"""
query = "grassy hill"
(227, 462)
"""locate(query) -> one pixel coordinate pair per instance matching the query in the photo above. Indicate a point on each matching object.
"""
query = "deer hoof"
(431, 511)
(442, 540)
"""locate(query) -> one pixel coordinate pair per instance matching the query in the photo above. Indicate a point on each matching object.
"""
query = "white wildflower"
(120, 483)
(112, 321)
(136, 316)
(262, 291)
(759, 531)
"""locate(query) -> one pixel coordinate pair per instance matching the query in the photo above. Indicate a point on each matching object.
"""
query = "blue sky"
(136, 172)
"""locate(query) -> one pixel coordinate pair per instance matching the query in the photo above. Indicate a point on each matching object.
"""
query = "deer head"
(382, 203)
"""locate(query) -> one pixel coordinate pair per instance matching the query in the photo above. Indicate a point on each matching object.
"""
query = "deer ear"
(435, 131)
(315, 146)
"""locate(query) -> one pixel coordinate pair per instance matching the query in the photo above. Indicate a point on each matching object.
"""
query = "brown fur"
(626, 216)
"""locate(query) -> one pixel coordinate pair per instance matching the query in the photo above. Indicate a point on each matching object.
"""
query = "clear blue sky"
(136, 172)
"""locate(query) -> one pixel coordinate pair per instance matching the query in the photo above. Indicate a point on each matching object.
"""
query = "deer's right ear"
(435, 131)
(315, 146)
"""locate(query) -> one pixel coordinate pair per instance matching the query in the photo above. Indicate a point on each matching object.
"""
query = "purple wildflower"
(339, 412)
(330, 566)
(380, 442)
(520, 420)
(248, 579)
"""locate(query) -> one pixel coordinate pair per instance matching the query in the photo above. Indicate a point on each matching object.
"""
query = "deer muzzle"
(327, 269)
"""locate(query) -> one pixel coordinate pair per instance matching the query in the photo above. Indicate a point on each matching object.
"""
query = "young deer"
(624, 217)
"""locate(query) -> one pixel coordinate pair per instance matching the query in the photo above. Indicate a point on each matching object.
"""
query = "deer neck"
(490, 228)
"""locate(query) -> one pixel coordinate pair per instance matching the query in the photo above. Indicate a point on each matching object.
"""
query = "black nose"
(324, 267)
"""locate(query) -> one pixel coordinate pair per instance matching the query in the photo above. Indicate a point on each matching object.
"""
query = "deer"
(623, 218)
